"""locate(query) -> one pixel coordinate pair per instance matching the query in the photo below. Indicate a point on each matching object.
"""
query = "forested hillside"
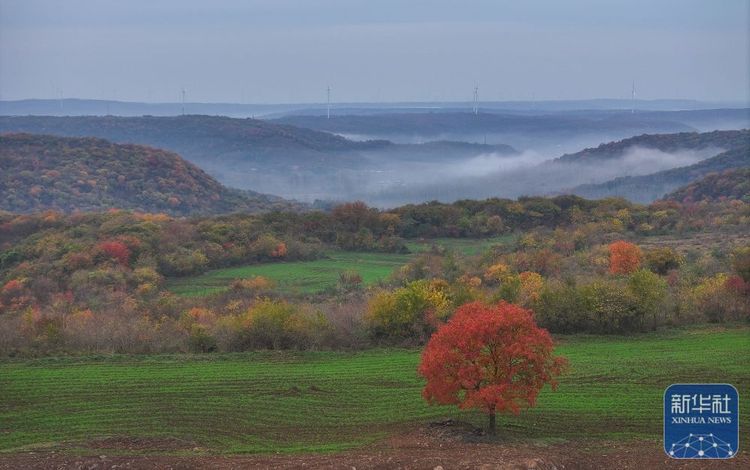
(729, 184)
(223, 133)
(261, 156)
(41, 172)
(720, 140)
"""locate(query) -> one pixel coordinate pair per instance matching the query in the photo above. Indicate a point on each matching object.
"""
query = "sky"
(289, 51)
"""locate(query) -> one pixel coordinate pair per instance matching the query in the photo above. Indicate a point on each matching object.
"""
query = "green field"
(309, 277)
(326, 401)
(296, 277)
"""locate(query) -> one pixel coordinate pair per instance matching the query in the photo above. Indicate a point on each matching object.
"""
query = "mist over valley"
(517, 155)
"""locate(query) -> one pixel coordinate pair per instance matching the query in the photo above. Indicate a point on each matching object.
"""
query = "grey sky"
(268, 51)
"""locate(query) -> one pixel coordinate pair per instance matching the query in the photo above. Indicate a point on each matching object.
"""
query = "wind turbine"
(632, 99)
(328, 102)
(476, 98)
(182, 96)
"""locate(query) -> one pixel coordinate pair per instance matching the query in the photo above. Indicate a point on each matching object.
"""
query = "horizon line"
(382, 103)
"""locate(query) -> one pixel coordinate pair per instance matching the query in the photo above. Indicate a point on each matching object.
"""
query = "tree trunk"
(493, 426)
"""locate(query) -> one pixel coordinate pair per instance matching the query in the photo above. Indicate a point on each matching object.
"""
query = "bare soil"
(437, 446)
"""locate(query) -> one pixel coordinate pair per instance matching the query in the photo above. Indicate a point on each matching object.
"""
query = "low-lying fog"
(528, 173)
(386, 179)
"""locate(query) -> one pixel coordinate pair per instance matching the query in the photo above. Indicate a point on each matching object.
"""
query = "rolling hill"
(667, 143)
(262, 156)
(212, 134)
(594, 168)
(545, 130)
(647, 188)
(729, 184)
(309, 165)
(240, 153)
(42, 172)
(207, 138)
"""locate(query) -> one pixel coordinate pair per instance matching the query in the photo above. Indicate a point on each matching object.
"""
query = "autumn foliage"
(42, 172)
(103, 282)
(280, 250)
(624, 257)
(494, 358)
(12, 287)
(117, 250)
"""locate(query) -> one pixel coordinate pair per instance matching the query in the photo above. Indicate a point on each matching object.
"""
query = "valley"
(251, 234)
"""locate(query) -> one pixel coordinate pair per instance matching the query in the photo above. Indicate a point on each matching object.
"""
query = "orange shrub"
(624, 257)
(279, 251)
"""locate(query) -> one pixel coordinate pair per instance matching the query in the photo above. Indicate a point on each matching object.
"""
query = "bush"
(531, 285)
(650, 292)
(496, 273)
(624, 257)
(197, 322)
(350, 280)
(200, 340)
(741, 262)
(603, 306)
(276, 324)
(611, 308)
(184, 262)
(510, 288)
(561, 309)
(663, 260)
(723, 298)
(411, 312)
(256, 284)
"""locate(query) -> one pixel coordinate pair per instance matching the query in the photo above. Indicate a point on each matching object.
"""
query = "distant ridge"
(662, 142)
(448, 122)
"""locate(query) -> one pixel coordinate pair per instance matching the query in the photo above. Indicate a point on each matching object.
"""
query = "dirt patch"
(446, 445)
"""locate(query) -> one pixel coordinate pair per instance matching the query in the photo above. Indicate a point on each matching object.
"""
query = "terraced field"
(308, 277)
(327, 401)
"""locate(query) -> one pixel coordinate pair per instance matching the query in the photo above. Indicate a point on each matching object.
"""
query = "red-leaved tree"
(624, 257)
(494, 358)
(117, 250)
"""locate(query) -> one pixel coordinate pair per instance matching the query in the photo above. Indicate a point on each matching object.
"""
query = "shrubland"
(95, 282)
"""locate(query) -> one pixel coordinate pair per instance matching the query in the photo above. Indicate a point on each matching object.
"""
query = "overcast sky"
(275, 51)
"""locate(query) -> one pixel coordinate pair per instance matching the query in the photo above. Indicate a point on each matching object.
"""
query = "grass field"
(297, 277)
(327, 401)
(309, 277)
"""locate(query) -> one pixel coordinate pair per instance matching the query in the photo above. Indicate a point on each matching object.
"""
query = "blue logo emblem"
(701, 421)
